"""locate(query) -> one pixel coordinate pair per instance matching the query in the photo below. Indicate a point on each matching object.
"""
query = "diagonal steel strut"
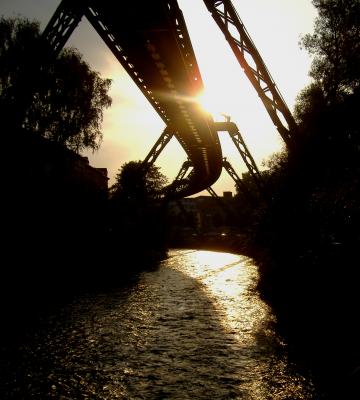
(62, 24)
(240, 144)
(239, 182)
(226, 17)
(245, 154)
(158, 147)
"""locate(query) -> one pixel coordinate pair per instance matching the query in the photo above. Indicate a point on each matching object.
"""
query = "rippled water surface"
(194, 328)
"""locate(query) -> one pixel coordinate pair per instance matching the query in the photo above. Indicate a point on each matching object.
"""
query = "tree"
(137, 185)
(311, 104)
(335, 45)
(62, 100)
(326, 109)
(311, 227)
(135, 218)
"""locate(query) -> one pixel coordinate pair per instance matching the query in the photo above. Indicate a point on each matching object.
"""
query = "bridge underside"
(151, 42)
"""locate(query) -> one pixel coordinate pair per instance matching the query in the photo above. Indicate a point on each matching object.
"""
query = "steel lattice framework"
(180, 181)
(226, 17)
(62, 24)
(239, 182)
(152, 44)
(242, 148)
(255, 69)
(158, 147)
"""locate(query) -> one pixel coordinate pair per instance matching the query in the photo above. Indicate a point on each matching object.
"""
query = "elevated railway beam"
(151, 42)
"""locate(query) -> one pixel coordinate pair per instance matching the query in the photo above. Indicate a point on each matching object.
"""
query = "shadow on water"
(158, 336)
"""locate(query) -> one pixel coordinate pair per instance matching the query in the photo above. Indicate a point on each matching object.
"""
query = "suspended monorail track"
(151, 42)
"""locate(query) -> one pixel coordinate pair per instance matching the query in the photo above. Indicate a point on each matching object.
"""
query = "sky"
(131, 126)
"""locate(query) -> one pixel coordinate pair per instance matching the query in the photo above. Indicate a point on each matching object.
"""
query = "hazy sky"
(131, 126)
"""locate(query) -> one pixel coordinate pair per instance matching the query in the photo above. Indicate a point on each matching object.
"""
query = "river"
(192, 328)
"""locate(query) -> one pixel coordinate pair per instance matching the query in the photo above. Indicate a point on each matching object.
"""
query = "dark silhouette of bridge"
(151, 42)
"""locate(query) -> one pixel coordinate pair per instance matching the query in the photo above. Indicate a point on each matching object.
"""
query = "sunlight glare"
(213, 259)
(226, 278)
(211, 105)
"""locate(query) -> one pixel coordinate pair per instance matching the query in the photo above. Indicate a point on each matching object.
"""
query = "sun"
(211, 104)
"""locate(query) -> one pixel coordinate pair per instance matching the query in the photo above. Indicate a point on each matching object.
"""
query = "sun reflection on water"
(193, 328)
(211, 259)
(230, 280)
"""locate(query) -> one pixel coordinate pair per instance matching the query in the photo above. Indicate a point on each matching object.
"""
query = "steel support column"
(238, 182)
(226, 17)
(179, 182)
(212, 192)
(62, 24)
(158, 147)
(245, 154)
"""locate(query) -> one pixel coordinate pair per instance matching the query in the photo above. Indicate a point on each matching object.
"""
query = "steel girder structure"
(151, 42)
(62, 24)
(239, 182)
(226, 17)
(59, 29)
(158, 147)
(212, 192)
(240, 144)
(179, 182)
(183, 170)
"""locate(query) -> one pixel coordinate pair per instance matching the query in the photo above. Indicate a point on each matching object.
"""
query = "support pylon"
(62, 24)
(179, 181)
(158, 147)
(245, 51)
(239, 182)
(245, 154)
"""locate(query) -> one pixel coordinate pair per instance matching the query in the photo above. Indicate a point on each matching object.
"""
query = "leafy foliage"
(309, 235)
(62, 100)
(136, 218)
(335, 45)
(136, 185)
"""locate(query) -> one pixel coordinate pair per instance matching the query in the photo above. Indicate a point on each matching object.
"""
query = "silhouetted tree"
(335, 45)
(310, 231)
(137, 185)
(66, 97)
(136, 219)
(325, 108)
(316, 180)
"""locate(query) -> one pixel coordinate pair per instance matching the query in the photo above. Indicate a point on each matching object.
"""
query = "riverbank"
(316, 301)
